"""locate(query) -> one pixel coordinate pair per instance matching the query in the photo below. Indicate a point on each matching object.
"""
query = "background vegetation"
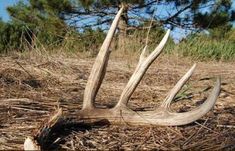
(204, 47)
(80, 25)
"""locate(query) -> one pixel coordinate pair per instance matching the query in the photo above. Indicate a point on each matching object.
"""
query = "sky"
(3, 6)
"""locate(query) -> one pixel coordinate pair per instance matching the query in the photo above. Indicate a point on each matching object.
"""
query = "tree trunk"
(122, 26)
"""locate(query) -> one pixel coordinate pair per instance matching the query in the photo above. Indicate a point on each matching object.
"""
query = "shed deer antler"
(121, 113)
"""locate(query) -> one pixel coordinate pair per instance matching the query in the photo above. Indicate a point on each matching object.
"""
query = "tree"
(191, 14)
(49, 20)
(11, 36)
(187, 14)
(39, 20)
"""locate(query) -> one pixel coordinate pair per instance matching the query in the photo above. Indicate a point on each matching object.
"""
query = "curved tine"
(99, 67)
(193, 115)
(158, 49)
(140, 70)
(143, 54)
(166, 103)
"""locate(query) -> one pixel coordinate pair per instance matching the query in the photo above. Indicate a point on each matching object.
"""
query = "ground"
(32, 86)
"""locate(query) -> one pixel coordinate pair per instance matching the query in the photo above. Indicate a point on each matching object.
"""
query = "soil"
(33, 86)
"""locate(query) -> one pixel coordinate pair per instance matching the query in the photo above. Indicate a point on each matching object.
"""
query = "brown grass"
(32, 86)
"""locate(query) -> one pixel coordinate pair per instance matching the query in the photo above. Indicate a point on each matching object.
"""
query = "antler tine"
(141, 68)
(193, 115)
(98, 70)
(164, 117)
(142, 55)
(166, 103)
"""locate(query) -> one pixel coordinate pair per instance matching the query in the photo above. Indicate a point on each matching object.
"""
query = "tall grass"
(198, 47)
(206, 48)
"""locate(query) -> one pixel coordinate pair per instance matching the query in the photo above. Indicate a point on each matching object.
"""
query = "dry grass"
(33, 86)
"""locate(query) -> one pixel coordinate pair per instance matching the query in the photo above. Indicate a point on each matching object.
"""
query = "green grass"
(197, 47)
(204, 48)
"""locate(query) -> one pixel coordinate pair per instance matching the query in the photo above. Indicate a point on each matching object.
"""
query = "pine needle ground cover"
(33, 86)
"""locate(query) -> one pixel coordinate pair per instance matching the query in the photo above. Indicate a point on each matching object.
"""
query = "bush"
(10, 38)
(89, 40)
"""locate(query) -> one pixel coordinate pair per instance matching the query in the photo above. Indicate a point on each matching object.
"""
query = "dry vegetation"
(32, 87)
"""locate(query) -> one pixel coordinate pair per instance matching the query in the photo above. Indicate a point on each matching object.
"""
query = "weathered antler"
(99, 68)
(121, 113)
(162, 115)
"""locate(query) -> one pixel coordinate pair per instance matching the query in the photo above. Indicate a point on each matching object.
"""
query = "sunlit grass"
(203, 48)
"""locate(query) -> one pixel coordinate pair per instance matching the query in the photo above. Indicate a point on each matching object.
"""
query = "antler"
(160, 116)
(121, 113)
(99, 68)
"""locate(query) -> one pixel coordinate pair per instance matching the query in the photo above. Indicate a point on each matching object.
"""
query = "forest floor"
(33, 86)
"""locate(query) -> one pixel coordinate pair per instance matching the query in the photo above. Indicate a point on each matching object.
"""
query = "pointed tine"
(98, 70)
(195, 114)
(166, 103)
(139, 72)
(159, 48)
(111, 31)
(143, 53)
